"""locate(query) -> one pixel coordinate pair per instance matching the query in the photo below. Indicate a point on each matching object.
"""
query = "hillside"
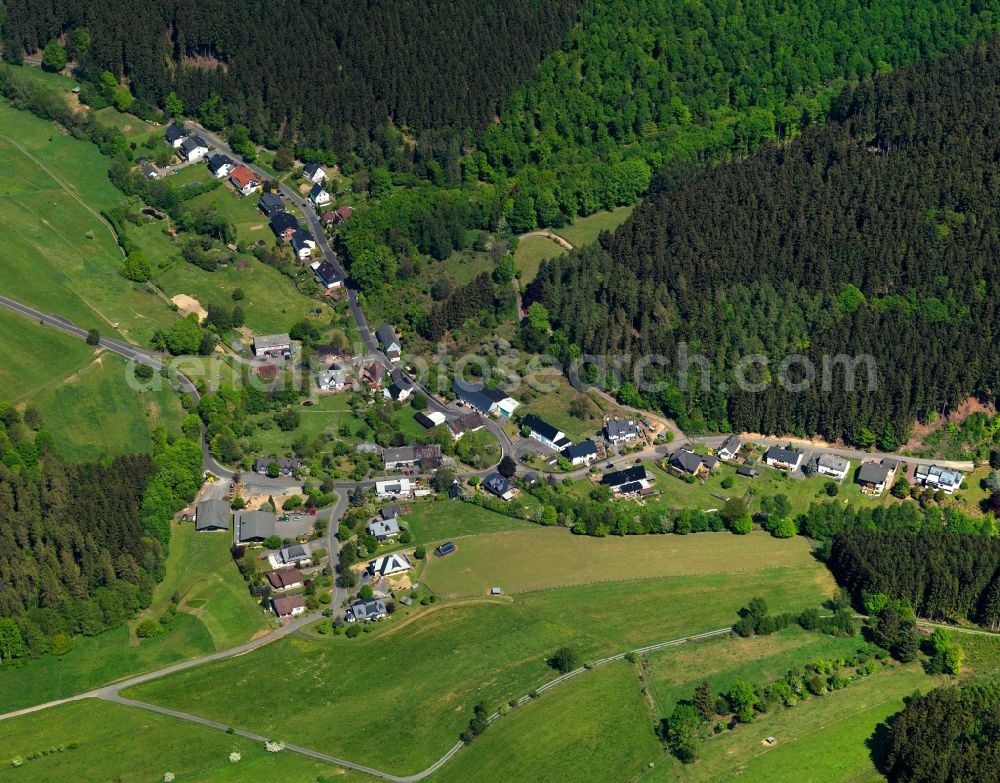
(873, 235)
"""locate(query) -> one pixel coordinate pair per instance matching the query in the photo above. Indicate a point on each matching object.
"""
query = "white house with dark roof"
(686, 461)
(833, 466)
(618, 431)
(383, 529)
(326, 274)
(303, 244)
(387, 338)
(387, 565)
(399, 457)
(295, 553)
(400, 388)
(783, 459)
(544, 432)
(938, 477)
(193, 149)
(582, 453)
(175, 135)
(730, 448)
(319, 197)
(314, 173)
(220, 165)
(873, 476)
(497, 485)
(368, 610)
(289, 606)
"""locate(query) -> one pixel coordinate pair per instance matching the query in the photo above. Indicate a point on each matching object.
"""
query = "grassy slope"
(129, 745)
(37, 357)
(593, 730)
(49, 260)
(440, 521)
(531, 251)
(585, 231)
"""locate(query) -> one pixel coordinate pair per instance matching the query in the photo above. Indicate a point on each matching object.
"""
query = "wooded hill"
(875, 234)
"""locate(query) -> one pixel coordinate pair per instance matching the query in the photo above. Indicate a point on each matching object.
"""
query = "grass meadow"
(40, 357)
(530, 253)
(448, 519)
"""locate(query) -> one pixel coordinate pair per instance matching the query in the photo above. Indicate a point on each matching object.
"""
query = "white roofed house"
(272, 345)
(318, 196)
(938, 477)
(394, 488)
(388, 565)
(383, 529)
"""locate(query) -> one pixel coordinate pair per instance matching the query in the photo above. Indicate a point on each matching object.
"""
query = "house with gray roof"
(401, 457)
(833, 466)
(295, 553)
(386, 336)
(391, 512)
(389, 564)
(686, 461)
(272, 345)
(873, 476)
(383, 529)
(252, 526)
(938, 477)
(730, 448)
(499, 486)
(211, 516)
(582, 453)
(784, 459)
(618, 431)
(366, 610)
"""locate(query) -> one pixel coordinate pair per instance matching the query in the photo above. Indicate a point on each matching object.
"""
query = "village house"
(220, 166)
(327, 275)
(285, 579)
(329, 218)
(243, 180)
(373, 375)
(343, 212)
(497, 485)
(873, 476)
(367, 610)
(283, 224)
(289, 606)
(314, 173)
(318, 196)
(272, 345)
(687, 462)
(294, 554)
(211, 516)
(783, 459)
(468, 422)
(937, 477)
(429, 457)
(400, 387)
(175, 135)
(401, 457)
(629, 481)
(619, 431)
(833, 466)
(286, 465)
(484, 399)
(387, 565)
(393, 488)
(271, 204)
(149, 171)
(333, 379)
(582, 453)
(544, 432)
(252, 526)
(429, 420)
(303, 244)
(390, 512)
(193, 149)
(730, 448)
(383, 529)
(386, 336)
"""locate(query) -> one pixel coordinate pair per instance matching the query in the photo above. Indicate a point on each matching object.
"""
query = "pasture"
(553, 557)
(585, 230)
(37, 357)
(594, 729)
(530, 253)
(443, 520)
(131, 745)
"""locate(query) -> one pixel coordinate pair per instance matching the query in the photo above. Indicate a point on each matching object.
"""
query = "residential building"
(730, 448)
(618, 479)
(286, 465)
(387, 565)
(243, 180)
(484, 399)
(211, 516)
(401, 457)
(303, 244)
(393, 488)
(383, 529)
(386, 336)
(582, 453)
(366, 610)
(175, 135)
(331, 380)
(193, 149)
(329, 218)
(619, 431)
(390, 512)
(785, 459)
(544, 432)
(344, 212)
(220, 165)
(497, 485)
(429, 420)
(318, 196)
(314, 173)
(149, 171)
(327, 275)
(833, 466)
(272, 345)
(429, 457)
(252, 526)
(289, 606)
(400, 388)
(285, 579)
(469, 422)
(937, 477)
(283, 224)
(873, 476)
(686, 461)
(373, 375)
(271, 204)
(294, 554)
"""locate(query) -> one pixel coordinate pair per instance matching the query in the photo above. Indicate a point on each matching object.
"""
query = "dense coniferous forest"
(875, 234)
(947, 734)
(943, 575)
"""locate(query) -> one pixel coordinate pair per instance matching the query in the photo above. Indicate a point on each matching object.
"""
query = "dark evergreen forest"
(875, 234)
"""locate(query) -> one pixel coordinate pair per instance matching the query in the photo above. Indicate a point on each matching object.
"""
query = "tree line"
(873, 236)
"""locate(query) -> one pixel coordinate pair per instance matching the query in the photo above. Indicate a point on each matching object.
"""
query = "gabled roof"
(465, 423)
(619, 428)
(174, 132)
(731, 444)
(217, 161)
(302, 240)
(497, 484)
(293, 553)
(316, 191)
(389, 564)
(310, 169)
(284, 578)
(689, 462)
(344, 211)
(785, 456)
(579, 450)
(400, 383)
(282, 221)
(543, 428)
(212, 515)
(365, 609)
(873, 472)
(242, 176)
(401, 454)
(253, 525)
(271, 204)
(386, 335)
(480, 397)
(635, 473)
(193, 143)
(833, 462)
(391, 512)
(283, 606)
(150, 170)
(383, 527)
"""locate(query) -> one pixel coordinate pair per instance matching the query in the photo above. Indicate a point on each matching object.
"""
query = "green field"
(585, 231)
(530, 253)
(553, 557)
(554, 406)
(818, 741)
(201, 572)
(130, 745)
(440, 521)
(594, 729)
(58, 254)
(95, 413)
(39, 357)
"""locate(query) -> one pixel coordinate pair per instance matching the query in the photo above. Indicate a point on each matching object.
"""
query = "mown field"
(553, 557)
(595, 729)
(36, 356)
(58, 254)
(130, 745)
(444, 520)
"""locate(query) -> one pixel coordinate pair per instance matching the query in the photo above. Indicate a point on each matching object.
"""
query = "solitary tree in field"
(563, 660)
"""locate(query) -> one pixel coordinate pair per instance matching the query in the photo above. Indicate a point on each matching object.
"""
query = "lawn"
(39, 357)
(58, 253)
(552, 557)
(585, 231)
(594, 729)
(327, 416)
(530, 253)
(98, 660)
(554, 407)
(96, 412)
(395, 700)
(818, 741)
(201, 572)
(444, 520)
(131, 745)
(677, 671)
